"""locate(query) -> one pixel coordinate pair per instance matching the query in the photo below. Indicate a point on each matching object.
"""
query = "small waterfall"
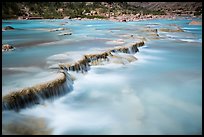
(88, 60)
(134, 49)
(30, 96)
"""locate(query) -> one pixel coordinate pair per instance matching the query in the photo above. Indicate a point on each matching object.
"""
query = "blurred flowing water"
(160, 93)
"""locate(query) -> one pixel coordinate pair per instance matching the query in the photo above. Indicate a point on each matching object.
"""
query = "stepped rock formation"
(34, 95)
(84, 64)
(64, 83)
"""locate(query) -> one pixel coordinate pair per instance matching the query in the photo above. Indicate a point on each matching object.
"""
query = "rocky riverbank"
(136, 17)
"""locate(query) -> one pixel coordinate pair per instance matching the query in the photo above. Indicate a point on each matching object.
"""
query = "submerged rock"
(150, 30)
(62, 24)
(154, 36)
(7, 47)
(195, 22)
(172, 25)
(7, 28)
(19, 124)
(153, 33)
(122, 58)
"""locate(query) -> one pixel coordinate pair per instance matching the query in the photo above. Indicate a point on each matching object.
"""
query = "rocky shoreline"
(138, 17)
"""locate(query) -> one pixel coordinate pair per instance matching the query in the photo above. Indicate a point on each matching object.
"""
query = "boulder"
(195, 22)
(67, 17)
(7, 47)
(7, 28)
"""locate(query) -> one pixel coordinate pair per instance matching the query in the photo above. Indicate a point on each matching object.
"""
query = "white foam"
(119, 41)
(67, 57)
(191, 40)
(58, 57)
(190, 28)
(23, 69)
(20, 81)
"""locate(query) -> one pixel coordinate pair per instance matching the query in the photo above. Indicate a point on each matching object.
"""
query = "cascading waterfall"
(88, 60)
(63, 84)
(38, 93)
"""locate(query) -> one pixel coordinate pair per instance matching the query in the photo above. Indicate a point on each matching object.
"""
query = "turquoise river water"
(159, 93)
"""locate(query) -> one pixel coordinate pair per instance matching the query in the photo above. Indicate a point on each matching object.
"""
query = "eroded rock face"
(195, 23)
(7, 47)
(7, 28)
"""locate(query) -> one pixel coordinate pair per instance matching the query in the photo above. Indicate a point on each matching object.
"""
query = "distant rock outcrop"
(195, 22)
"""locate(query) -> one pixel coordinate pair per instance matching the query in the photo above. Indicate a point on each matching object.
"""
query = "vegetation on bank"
(59, 10)
(50, 10)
